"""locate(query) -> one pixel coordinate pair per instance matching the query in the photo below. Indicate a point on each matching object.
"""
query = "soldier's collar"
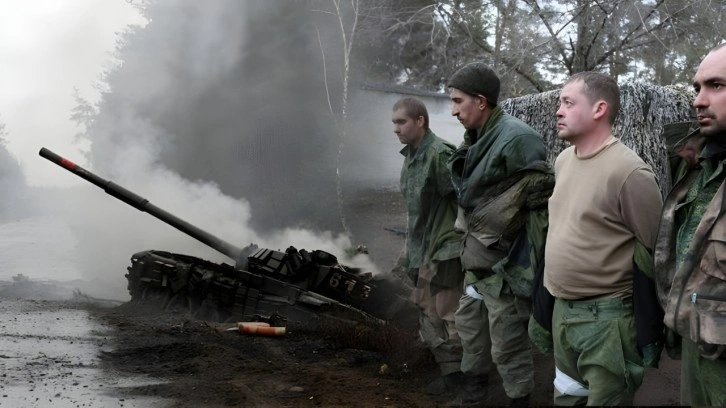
(713, 150)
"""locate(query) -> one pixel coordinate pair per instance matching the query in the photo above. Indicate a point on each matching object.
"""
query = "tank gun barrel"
(143, 205)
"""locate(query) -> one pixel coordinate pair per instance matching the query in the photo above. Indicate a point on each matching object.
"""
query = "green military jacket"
(496, 172)
(431, 207)
(690, 250)
(504, 146)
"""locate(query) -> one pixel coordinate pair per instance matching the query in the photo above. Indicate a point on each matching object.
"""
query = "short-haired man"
(690, 252)
(605, 203)
(432, 245)
(496, 171)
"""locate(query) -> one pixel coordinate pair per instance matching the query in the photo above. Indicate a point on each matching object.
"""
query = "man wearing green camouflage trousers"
(606, 201)
(690, 252)
(432, 244)
(500, 162)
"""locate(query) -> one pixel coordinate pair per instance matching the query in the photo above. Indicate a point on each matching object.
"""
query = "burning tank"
(296, 284)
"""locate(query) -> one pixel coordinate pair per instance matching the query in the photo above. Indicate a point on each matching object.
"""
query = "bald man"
(690, 252)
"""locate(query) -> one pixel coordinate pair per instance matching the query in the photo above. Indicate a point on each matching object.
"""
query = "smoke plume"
(218, 113)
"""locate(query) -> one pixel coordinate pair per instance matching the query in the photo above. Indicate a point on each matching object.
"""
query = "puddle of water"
(50, 358)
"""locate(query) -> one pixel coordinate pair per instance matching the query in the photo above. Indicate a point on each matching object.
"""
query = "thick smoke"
(16, 202)
(33, 242)
(232, 93)
(218, 114)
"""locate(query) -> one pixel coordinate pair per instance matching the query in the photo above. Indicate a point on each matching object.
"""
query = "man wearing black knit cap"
(496, 172)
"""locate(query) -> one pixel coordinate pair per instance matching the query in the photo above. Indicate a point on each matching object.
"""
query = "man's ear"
(599, 110)
(420, 121)
(481, 101)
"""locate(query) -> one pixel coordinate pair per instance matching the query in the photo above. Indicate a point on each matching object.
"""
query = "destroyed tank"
(294, 284)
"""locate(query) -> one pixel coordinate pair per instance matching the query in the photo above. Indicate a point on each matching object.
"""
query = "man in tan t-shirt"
(605, 201)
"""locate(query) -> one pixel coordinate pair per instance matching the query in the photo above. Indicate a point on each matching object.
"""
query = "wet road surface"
(49, 357)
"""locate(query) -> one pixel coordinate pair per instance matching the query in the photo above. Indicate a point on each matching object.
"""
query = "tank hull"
(220, 292)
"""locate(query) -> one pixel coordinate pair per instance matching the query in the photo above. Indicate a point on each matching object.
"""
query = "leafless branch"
(325, 74)
(599, 30)
(645, 24)
(412, 18)
(626, 38)
(538, 10)
(488, 49)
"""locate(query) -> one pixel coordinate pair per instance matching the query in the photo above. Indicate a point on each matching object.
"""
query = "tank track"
(299, 285)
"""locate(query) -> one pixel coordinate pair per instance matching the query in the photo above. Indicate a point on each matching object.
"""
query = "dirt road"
(50, 354)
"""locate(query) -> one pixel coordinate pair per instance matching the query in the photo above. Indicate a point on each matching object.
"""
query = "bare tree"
(510, 59)
(535, 44)
(346, 15)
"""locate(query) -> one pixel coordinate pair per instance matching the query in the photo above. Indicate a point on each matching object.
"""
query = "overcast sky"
(48, 47)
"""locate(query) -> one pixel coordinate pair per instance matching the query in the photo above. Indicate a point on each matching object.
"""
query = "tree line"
(533, 44)
(255, 89)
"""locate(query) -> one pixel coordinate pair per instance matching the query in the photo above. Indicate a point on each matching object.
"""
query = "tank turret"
(298, 284)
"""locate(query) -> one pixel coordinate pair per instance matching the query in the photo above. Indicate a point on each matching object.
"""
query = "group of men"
(492, 226)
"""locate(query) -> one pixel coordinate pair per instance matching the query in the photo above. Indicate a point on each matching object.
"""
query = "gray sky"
(48, 47)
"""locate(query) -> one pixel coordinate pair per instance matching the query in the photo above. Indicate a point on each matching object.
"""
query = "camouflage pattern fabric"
(702, 380)
(483, 168)
(494, 330)
(508, 228)
(595, 345)
(431, 209)
(436, 321)
(690, 265)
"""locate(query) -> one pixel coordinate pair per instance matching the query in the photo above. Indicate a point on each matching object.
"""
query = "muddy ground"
(78, 353)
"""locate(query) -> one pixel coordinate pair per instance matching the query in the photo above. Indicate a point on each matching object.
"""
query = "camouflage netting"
(645, 109)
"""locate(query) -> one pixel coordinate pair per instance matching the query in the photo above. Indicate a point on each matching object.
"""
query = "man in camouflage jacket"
(690, 252)
(496, 172)
(432, 250)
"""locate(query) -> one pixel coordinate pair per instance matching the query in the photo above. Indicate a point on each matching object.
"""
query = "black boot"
(473, 391)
